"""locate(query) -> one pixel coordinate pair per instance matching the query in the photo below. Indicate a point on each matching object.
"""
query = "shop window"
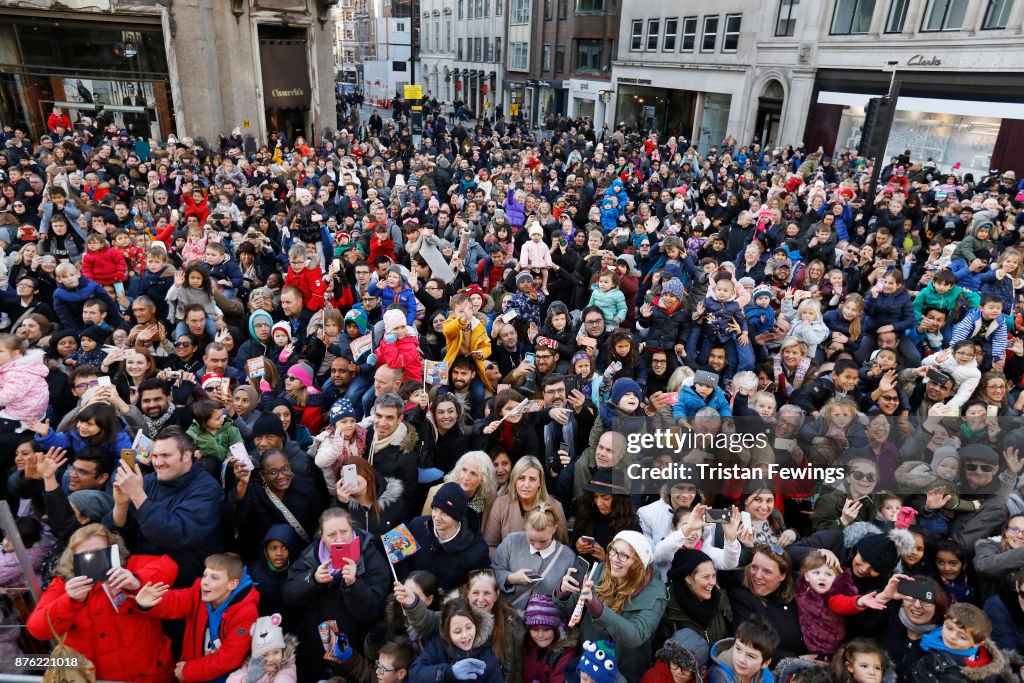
(671, 27)
(653, 33)
(998, 14)
(785, 25)
(852, 17)
(731, 37)
(636, 37)
(944, 15)
(689, 34)
(710, 35)
(589, 55)
(897, 16)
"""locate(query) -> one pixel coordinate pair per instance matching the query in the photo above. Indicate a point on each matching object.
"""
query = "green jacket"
(929, 298)
(632, 631)
(676, 619)
(218, 444)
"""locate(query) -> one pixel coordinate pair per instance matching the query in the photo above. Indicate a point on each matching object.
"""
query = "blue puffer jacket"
(74, 442)
(889, 309)
(609, 215)
(388, 296)
(226, 270)
(68, 303)
(690, 402)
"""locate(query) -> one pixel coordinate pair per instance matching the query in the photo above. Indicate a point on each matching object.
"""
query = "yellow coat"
(478, 341)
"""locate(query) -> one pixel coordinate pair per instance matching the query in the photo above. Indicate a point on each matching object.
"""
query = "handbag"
(527, 594)
(83, 671)
(287, 514)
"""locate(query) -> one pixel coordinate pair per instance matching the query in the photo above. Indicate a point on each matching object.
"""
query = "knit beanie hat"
(283, 326)
(747, 282)
(301, 192)
(640, 544)
(357, 316)
(542, 613)
(267, 635)
(393, 320)
(522, 277)
(942, 452)
(401, 274)
(92, 504)
(625, 386)
(685, 563)
(599, 662)
(762, 290)
(535, 229)
(883, 551)
(341, 409)
(688, 650)
(705, 377)
(96, 333)
(268, 424)
(302, 372)
(674, 287)
(261, 316)
(451, 500)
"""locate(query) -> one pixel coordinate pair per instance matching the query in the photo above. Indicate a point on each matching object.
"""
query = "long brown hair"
(855, 323)
(365, 470)
(615, 592)
(502, 612)
(785, 565)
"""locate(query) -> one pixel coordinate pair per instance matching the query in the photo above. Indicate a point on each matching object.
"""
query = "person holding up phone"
(343, 577)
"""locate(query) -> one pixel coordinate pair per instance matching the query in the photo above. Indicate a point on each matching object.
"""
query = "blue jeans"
(181, 328)
(354, 394)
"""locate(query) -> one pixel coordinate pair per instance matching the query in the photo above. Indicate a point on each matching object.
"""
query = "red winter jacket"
(311, 283)
(105, 267)
(548, 666)
(235, 641)
(200, 210)
(402, 354)
(55, 120)
(381, 248)
(105, 636)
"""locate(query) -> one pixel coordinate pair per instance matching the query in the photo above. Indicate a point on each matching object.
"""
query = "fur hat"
(599, 662)
(674, 287)
(393, 320)
(688, 650)
(883, 551)
(267, 635)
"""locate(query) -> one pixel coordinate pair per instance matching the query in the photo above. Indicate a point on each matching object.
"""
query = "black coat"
(450, 562)
(783, 616)
(398, 462)
(254, 514)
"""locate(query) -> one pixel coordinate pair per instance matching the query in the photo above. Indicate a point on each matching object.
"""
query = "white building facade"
(437, 49)
(386, 75)
(786, 71)
(479, 50)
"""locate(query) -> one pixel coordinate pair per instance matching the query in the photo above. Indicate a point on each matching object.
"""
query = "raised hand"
(151, 595)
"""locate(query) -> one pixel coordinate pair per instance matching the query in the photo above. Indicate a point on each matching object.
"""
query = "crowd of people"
(241, 376)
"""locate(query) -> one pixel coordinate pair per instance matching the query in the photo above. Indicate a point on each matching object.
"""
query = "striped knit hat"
(542, 613)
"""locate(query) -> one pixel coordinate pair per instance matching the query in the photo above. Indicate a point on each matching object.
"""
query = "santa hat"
(282, 326)
(210, 378)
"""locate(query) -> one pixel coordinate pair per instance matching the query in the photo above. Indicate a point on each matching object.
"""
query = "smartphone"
(348, 475)
(103, 381)
(993, 411)
(510, 315)
(530, 358)
(572, 383)
(746, 521)
(916, 589)
(342, 551)
(785, 444)
(565, 447)
(337, 264)
(587, 539)
(673, 396)
(239, 454)
(128, 457)
(119, 289)
(937, 376)
(582, 568)
(718, 516)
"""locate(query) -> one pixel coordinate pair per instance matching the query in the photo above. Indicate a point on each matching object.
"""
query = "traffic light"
(874, 132)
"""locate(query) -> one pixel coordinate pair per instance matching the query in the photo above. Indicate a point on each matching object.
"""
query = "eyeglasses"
(975, 467)
(614, 554)
(890, 398)
(82, 472)
(1014, 531)
(284, 469)
(864, 476)
(964, 354)
(369, 298)
(82, 386)
(380, 668)
(182, 344)
(594, 321)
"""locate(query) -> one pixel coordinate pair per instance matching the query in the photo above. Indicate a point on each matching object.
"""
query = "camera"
(174, 374)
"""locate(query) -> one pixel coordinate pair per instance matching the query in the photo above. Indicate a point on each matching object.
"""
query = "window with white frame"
(709, 36)
(897, 16)
(689, 41)
(545, 59)
(997, 15)
(520, 10)
(944, 15)
(852, 17)
(653, 33)
(731, 37)
(498, 6)
(518, 56)
(636, 35)
(671, 28)
(786, 23)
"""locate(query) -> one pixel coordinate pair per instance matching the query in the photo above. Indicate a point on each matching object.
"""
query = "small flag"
(143, 447)
(435, 372)
(399, 544)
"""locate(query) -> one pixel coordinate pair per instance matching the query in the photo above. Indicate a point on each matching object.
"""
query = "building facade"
(559, 59)
(355, 41)
(437, 48)
(788, 71)
(479, 49)
(197, 68)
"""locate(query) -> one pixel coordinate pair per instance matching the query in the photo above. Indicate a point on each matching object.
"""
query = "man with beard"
(158, 411)
(509, 352)
(460, 376)
(149, 331)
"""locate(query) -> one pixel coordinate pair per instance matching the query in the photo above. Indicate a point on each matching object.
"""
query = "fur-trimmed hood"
(999, 666)
(391, 494)
(916, 476)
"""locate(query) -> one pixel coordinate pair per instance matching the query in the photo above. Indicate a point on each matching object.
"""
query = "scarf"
(380, 443)
(798, 379)
(323, 553)
(153, 427)
(932, 642)
(215, 615)
(702, 611)
(916, 628)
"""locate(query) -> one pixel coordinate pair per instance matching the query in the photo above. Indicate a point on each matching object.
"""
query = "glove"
(371, 359)
(391, 338)
(255, 670)
(468, 669)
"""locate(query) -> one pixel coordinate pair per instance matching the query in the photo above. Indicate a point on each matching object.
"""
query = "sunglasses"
(974, 467)
(182, 344)
(864, 476)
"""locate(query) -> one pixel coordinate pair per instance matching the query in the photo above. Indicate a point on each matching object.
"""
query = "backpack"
(83, 672)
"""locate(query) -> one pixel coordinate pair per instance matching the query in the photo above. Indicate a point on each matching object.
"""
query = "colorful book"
(143, 447)
(435, 372)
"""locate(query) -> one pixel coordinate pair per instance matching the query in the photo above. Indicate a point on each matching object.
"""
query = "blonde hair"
(488, 489)
(1010, 251)
(857, 300)
(810, 305)
(66, 563)
(65, 269)
(543, 517)
(524, 463)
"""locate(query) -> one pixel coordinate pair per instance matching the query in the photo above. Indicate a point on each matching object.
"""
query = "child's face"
(956, 637)
(273, 660)
(526, 286)
(558, 321)
(763, 301)
(808, 316)
(536, 236)
(277, 554)
(1010, 263)
(347, 427)
(836, 281)
(889, 510)
(94, 245)
(992, 310)
(195, 280)
(941, 287)
(886, 359)
(70, 281)
(746, 660)
(723, 290)
(542, 637)
(629, 402)
(948, 565)
(216, 421)
(387, 672)
(262, 331)
(764, 406)
(88, 344)
(352, 330)
(123, 240)
(622, 348)
(7, 355)
(213, 257)
(846, 380)
(917, 554)
(820, 579)
(280, 338)
(331, 328)
(88, 429)
(865, 668)
(982, 234)
(605, 283)
(216, 585)
(948, 468)
(703, 390)
(462, 632)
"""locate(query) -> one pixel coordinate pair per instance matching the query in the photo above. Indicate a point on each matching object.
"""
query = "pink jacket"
(403, 354)
(24, 394)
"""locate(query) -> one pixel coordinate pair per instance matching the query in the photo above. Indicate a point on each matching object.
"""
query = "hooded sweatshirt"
(24, 394)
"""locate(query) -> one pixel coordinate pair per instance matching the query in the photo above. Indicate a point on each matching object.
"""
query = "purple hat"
(542, 613)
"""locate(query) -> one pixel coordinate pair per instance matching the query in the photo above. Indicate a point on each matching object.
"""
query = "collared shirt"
(546, 553)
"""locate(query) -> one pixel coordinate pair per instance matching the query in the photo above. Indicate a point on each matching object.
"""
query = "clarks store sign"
(921, 60)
